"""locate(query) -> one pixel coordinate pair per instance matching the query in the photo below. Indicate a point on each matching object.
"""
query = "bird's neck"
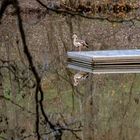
(74, 39)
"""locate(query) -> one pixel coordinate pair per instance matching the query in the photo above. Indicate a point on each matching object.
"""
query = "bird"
(79, 43)
(80, 76)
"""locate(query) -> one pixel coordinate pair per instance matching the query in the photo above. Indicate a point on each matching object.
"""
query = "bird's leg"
(79, 49)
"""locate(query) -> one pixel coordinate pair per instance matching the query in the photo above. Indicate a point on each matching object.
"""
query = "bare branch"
(36, 75)
(21, 107)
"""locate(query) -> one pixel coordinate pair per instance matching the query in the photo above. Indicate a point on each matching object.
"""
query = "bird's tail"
(86, 44)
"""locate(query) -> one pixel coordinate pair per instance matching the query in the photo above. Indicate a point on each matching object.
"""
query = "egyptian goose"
(79, 43)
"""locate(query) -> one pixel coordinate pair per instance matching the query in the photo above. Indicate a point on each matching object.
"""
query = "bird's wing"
(77, 44)
(82, 42)
(81, 75)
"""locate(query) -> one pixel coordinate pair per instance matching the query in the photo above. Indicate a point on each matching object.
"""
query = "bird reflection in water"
(80, 76)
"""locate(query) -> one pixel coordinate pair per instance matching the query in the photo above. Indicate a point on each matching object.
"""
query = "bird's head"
(74, 36)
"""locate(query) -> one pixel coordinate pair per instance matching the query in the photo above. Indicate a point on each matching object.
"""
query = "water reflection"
(80, 76)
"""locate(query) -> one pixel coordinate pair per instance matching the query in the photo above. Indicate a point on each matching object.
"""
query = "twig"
(21, 107)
